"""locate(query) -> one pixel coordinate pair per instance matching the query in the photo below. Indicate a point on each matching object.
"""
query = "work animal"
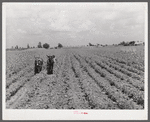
(38, 65)
(50, 64)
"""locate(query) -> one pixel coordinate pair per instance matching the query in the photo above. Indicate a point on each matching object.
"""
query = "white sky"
(74, 23)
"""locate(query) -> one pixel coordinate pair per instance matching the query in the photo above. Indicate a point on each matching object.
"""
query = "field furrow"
(33, 89)
(93, 93)
(83, 78)
(119, 73)
(62, 94)
(114, 93)
(135, 94)
(22, 73)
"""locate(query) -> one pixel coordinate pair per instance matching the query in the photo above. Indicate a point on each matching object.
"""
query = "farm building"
(139, 43)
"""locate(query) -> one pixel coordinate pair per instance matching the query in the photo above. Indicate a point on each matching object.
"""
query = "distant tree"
(33, 47)
(132, 43)
(91, 44)
(60, 45)
(39, 45)
(122, 43)
(97, 45)
(28, 46)
(46, 46)
(143, 43)
(16, 47)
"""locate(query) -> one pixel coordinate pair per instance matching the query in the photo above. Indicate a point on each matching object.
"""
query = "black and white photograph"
(75, 60)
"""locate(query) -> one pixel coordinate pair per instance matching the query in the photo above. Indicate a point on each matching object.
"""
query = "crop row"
(126, 69)
(113, 93)
(93, 93)
(30, 93)
(82, 99)
(120, 73)
(135, 94)
(121, 61)
(58, 64)
(63, 93)
(15, 63)
(33, 87)
(13, 100)
(129, 68)
(16, 77)
(78, 94)
(129, 77)
(17, 82)
(136, 66)
(13, 89)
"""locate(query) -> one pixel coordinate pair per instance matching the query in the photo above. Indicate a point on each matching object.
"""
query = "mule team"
(39, 63)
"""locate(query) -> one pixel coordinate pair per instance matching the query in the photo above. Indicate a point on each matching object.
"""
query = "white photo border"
(24, 114)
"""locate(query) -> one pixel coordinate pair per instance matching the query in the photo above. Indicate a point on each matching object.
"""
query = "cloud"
(107, 15)
(140, 19)
(66, 21)
(80, 21)
(21, 31)
(61, 22)
(87, 25)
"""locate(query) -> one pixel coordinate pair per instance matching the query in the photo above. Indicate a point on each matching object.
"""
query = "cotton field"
(83, 78)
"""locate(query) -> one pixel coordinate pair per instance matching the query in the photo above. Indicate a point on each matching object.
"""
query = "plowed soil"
(83, 78)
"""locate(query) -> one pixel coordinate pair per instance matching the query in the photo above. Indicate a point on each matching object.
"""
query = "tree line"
(45, 45)
(123, 43)
(131, 43)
